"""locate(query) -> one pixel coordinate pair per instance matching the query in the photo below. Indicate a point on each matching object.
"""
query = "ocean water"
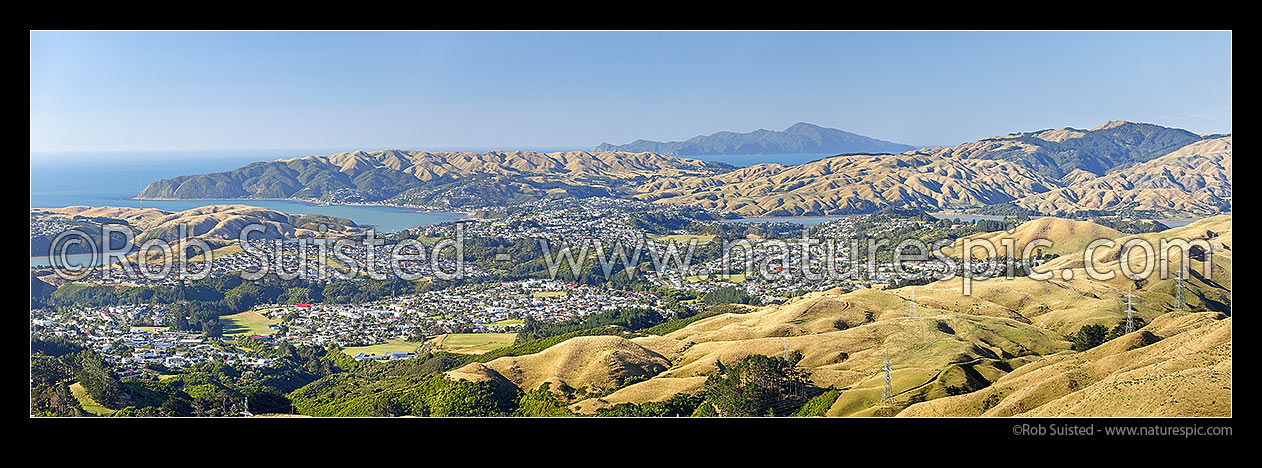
(110, 179)
(803, 220)
(746, 160)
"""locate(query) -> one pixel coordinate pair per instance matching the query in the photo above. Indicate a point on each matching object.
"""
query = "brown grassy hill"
(573, 164)
(477, 372)
(435, 178)
(1055, 171)
(594, 363)
(1179, 365)
(1193, 179)
(658, 389)
(1007, 338)
(1066, 235)
(933, 179)
(219, 222)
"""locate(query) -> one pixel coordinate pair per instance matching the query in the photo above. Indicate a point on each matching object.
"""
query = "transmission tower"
(247, 412)
(786, 349)
(912, 313)
(887, 393)
(1130, 311)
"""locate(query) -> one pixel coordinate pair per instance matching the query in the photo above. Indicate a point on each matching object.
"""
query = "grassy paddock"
(87, 403)
(734, 278)
(247, 323)
(384, 348)
(701, 239)
(472, 343)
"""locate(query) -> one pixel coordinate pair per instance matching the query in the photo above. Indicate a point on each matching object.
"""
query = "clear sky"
(121, 91)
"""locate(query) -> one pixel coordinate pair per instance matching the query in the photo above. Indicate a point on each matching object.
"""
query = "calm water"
(746, 160)
(72, 260)
(1169, 222)
(1178, 222)
(803, 220)
(109, 179)
(967, 217)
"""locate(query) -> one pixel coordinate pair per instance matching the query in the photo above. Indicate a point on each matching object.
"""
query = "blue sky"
(125, 91)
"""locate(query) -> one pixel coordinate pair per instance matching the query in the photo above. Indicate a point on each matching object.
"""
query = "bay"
(59, 180)
(746, 160)
(803, 220)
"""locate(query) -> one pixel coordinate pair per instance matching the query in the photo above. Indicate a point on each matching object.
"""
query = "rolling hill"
(1193, 179)
(1066, 235)
(1002, 350)
(381, 175)
(1176, 366)
(217, 222)
(1118, 166)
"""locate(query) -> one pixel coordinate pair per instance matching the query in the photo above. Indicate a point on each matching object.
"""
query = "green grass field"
(247, 323)
(87, 403)
(547, 294)
(383, 348)
(226, 250)
(734, 278)
(473, 343)
(701, 239)
(502, 323)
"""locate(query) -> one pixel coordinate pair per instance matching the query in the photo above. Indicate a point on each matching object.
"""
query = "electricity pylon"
(1130, 319)
(246, 411)
(887, 393)
(912, 312)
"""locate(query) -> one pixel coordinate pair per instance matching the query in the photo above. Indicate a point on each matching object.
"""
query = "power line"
(912, 313)
(1178, 286)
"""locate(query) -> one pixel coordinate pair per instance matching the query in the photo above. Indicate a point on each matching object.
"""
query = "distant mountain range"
(799, 138)
(1119, 167)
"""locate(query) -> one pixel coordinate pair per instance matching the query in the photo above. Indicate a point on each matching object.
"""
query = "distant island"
(800, 138)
